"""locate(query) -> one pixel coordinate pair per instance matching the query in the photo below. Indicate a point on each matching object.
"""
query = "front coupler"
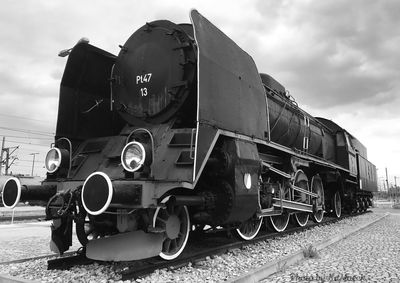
(63, 209)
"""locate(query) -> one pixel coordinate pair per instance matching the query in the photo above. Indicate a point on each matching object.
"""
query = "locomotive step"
(184, 158)
(181, 140)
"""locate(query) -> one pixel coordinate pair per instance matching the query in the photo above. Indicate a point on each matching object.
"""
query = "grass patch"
(310, 252)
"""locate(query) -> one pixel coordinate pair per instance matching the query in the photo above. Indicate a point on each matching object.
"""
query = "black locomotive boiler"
(180, 131)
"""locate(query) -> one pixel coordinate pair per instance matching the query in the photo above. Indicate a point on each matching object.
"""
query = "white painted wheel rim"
(282, 227)
(252, 235)
(167, 256)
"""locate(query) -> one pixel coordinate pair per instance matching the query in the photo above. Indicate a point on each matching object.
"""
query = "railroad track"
(211, 244)
(67, 254)
(7, 219)
(215, 248)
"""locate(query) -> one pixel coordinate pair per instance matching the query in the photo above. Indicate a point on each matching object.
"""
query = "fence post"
(12, 216)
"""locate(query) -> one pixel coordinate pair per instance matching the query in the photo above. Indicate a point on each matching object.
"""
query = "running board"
(292, 205)
(274, 212)
(277, 171)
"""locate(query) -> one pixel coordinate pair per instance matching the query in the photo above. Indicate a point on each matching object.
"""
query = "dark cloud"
(337, 52)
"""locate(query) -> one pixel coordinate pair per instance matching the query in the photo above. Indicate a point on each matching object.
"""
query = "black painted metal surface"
(230, 92)
(84, 105)
(155, 73)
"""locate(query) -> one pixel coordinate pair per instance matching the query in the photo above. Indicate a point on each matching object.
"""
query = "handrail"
(191, 154)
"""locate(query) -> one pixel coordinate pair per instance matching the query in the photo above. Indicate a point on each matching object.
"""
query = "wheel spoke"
(183, 229)
(301, 218)
(167, 217)
(170, 209)
(178, 210)
(249, 229)
(161, 220)
(174, 244)
(167, 245)
(279, 222)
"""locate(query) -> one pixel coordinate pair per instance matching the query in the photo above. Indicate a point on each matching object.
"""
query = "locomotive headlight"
(56, 158)
(53, 160)
(133, 156)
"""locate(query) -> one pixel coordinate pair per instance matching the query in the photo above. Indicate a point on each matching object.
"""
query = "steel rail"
(140, 268)
(135, 272)
(67, 254)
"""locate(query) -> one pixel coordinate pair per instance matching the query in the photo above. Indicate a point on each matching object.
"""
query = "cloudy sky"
(339, 59)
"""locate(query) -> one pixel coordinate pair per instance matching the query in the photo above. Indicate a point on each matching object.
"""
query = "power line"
(25, 166)
(39, 133)
(24, 160)
(24, 118)
(9, 159)
(33, 138)
(30, 149)
(19, 142)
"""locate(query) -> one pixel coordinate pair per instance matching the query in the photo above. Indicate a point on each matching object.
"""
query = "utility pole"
(387, 181)
(8, 157)
(1, 155)
(33, 161)
(395, 181)
(6, 161)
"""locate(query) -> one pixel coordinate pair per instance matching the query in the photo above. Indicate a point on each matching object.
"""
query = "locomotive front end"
(124, 148)
(117, 186)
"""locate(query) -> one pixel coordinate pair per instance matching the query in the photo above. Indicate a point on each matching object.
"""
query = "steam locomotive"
(180, 131)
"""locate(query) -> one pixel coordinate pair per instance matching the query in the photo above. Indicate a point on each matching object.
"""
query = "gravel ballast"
(212, 269)
(369, 255)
